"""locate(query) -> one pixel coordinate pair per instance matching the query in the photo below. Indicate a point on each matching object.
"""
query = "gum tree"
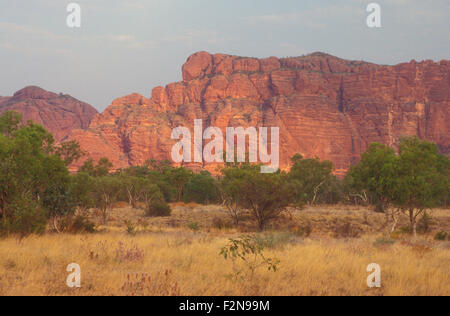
(422, 178)
(375, 176)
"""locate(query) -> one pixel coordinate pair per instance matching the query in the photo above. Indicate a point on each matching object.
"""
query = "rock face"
(60, 114)
(324, 106)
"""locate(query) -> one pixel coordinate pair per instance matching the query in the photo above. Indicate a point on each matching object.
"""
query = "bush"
(425, 223)
(131, 227)
(346, 230)
(26, 217)
(442, 236)
(194, 226)
(249, 251)
(273, 240)
(158, 209)
(78, 224)
(202, 189)
(219, 223)
(303, 231)
(383, 241)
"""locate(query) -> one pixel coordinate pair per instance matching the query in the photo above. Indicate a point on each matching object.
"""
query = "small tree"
(265, 195)
(423, 178)
(310, 178)
(102, 168)
(106, 192)
(375, 177)
(69, 151)
(201, 189)
(179, 177)
(131, 188)
(82, 188)
(229, 188)
(250, 252)
(34, 183)
(149, 193)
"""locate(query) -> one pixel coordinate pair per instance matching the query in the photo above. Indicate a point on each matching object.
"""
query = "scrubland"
(321, 251)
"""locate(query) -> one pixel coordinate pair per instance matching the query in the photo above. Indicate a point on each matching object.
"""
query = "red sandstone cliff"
(324, 106)
(60, 114)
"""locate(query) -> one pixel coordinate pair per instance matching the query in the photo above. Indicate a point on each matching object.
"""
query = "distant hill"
(58, 113)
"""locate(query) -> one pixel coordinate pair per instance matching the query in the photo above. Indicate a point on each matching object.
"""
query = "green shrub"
(442, 236)
(383, 241)
(131, 227)
(78, 224)
(404, 230)
(249, 251)
(26, 217)
(303, 231)
(425, 223)
(273, 240)
(194, 226)
(218, 223)
(158, 209)
(202, 189)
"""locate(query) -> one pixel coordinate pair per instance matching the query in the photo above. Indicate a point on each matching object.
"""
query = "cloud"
(194, 36)
(318, 18)
(32, 38)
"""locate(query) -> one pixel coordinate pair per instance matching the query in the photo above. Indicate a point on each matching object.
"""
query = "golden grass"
(320, 265)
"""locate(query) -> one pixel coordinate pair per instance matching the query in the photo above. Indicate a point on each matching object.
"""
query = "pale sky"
(134, 45)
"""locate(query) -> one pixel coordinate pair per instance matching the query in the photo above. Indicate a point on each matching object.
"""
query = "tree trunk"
(395, 222)
(180, 194)
(261, 225)
(55, 224)
(413, 223)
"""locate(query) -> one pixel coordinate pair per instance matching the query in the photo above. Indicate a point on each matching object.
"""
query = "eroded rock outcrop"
(324, 106)
(58, 113)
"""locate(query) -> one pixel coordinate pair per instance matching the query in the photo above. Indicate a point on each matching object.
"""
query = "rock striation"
(324, 106)
(58, 113)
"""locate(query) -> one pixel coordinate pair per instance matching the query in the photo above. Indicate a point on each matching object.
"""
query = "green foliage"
(266, 195)
(303, 231)
(194, 226)
(131, 227)
(375, 176)
(82, 188)
(414, 180)
(312, 180)
(23, 216)
(102, 168)
(423, 178)
(423, 174)
(34, 182)
(158, 208)
(202, 189)
(106, 191)
(248, 251)
(229, 188)
(70, 152)
(425, 223)
(179, 177)
(77, 224)
(55, 187)
(9, 122)
(442, 236)
(274, 240)
(88, 167)
(383, 241)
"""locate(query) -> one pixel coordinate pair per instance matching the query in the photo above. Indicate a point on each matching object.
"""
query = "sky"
(135, 45)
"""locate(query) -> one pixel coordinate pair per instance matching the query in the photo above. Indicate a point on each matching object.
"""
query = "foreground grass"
(113, 263)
